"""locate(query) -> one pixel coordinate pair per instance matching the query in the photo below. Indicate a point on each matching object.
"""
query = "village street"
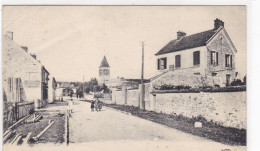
(111, 125)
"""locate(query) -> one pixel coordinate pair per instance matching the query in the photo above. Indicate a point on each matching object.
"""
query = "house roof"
(187, 42)
(104, 63)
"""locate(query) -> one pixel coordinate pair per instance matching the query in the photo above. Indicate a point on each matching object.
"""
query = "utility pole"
(83, 88)
(142, 78)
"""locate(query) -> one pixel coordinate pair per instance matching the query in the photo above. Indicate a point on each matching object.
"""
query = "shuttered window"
(162, 64)
(214, 58)
(178, 61)
(217, 58)
(196, 58)
(158, 64)
(231, 61)
(228, 60)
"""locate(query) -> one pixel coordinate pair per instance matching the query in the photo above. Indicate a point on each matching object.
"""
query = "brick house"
(209, 53)
(24, 78)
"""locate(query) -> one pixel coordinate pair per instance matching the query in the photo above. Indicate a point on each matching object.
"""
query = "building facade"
(51, 89)
(25, 79)
(207, 54)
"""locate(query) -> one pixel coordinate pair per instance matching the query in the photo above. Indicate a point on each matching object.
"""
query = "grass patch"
(210, 130)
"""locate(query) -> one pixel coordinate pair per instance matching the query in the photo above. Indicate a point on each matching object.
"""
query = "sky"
(70, 41)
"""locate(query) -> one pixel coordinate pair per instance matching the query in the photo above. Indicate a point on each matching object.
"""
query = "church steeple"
(104, 63)
(104, 71)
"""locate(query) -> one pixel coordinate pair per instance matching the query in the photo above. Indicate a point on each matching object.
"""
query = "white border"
(253, 48)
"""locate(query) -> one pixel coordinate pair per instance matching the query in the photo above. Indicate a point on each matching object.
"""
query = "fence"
(24, 109)
(15, 111)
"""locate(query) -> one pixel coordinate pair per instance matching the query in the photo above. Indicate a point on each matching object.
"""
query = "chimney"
(34, 56)
(180, 34)
(218, 23)
(25, 48)
(10, 34)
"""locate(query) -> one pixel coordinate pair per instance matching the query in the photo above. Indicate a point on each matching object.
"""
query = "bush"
(226, 89)
(237, 82)
(172, 87)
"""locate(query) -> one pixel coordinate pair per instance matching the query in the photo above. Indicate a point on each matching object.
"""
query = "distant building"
(104, 71)
(51, 89)
(25, 79)
(209, 53)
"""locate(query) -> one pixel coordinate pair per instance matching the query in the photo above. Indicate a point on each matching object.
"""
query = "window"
(228, 60)
(178, 61)
(197, 73)
(221, 40)
(10, 84)
(214, 74)
(162, 63)
(214, 58)
(100, 72)
(196, 58)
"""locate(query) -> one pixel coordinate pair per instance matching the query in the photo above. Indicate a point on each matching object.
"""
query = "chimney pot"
(218, 23)
(180, 34)
(10, 34)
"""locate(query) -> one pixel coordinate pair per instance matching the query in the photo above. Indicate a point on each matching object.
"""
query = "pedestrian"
(70, 107)
(92, 105)
(97, 104)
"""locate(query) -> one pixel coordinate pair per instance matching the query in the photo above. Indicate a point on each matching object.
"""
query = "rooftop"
(187, 42)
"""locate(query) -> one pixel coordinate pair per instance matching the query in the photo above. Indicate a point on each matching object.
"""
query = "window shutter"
(231, 61)
(211, 57)
(217, 58)
(198, 57)
(158, 64)
(179, 60)
(194, 57)
(226, 60)
(9, 84)
(165, 63)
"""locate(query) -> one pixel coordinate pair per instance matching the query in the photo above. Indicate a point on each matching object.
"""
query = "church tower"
(104, 71)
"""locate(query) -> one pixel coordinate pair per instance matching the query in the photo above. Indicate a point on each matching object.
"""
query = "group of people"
(96, 105)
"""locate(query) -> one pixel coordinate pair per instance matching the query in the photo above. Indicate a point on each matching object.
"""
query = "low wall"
(225, 108)
(133, 97)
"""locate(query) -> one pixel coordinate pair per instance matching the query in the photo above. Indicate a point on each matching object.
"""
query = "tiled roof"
(104, 63)
(187, 42)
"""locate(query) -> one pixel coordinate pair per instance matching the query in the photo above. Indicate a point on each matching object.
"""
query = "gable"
(226, 44)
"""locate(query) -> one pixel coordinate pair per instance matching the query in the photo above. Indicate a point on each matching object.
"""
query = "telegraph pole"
(83, 88)
(142, 78)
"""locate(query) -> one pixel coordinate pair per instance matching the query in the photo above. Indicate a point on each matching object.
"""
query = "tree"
(244, 80)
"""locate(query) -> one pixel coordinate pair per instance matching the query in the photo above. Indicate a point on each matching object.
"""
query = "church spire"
(104, 63)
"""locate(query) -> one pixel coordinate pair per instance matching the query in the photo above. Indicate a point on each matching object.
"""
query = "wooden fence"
(15, 111)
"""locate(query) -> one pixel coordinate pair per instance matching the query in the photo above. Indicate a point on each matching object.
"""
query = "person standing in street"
(92, 105)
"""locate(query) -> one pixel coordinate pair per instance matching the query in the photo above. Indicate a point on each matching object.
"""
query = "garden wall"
(224, 108)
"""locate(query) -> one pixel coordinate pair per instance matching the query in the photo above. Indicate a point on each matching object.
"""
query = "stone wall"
(172, 78)
(226, 108)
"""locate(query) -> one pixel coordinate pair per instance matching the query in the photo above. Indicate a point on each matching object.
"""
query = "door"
(227, 79)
